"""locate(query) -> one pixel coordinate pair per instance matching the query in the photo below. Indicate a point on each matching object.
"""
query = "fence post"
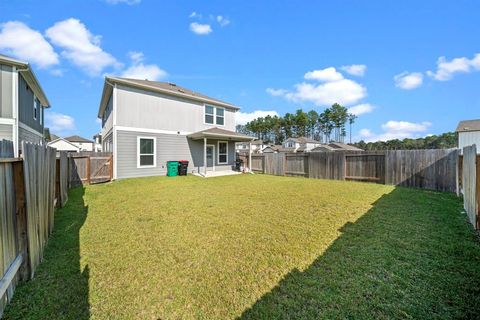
(21, 217)
(477, 160)
(88, 170)
(111, 167)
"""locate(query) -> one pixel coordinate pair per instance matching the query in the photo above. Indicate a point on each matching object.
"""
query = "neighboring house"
(61, 144)
(22, 103)
(82, 143)
(271, 149)
(468, 132)
(257, 146)
(339, 146)
(301, 144)
(97, 142)
(147, 123)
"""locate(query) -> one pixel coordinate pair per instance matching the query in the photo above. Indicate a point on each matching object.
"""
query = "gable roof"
(343, 146)
(26, 71)
(323, 147)
(468, 125)
(167, 88)
(220, 133)
(77, 139)
(58, 139)
(303, 140)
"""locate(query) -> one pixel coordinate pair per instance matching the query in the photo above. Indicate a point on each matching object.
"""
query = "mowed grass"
(255, 247)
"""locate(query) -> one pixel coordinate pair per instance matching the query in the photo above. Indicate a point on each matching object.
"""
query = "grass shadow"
(59, 289)
(412, 255)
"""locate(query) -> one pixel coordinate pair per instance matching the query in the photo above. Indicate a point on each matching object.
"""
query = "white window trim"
(154, 152)
(214, 115)
(218, 152)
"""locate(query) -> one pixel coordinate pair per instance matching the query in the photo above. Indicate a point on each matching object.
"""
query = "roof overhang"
(26, 71)
(111, 81)
(230, 137)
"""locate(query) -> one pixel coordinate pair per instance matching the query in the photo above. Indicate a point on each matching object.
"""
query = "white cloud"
(201, 29)
(355, 69)
(408, 81)
(223, 21)
(59, 123)
(139, 70)
(129, 2)
(195, 15)
(396, 130)
(360, 109)
(80, 46)
(57, 72)
(324, 75)
(276, 92)
(446, 69)
(345, 92)
(244, 117)
(22, 42)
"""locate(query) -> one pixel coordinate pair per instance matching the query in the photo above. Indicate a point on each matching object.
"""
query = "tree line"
(327, 126)
(442, 141)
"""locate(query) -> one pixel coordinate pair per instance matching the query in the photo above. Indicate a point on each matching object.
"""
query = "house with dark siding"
(22, 103)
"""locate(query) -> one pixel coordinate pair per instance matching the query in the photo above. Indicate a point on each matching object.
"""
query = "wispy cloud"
(22, 42)
(223, 21)
(355, 69)
(333, 88)
(360, 109)
(447, 69)
(139, 70)
(59, 123)
(396, 130)
(408, 80)
(200, 29)
(244, 117)
(80, 46)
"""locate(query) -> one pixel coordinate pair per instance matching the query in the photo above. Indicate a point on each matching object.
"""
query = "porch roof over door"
(217, 133)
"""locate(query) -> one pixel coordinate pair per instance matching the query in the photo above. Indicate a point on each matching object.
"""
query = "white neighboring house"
(82, 143)
(301, 144)
(62, 145)
(97, 142)
(257, 146)
(468, 132)
(147, 123)
(22, 104)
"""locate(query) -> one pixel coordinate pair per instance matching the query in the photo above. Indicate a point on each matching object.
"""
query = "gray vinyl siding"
(6, 132)
(25, 106)
(107, 120)
(144, 109)
(466, 139)
(6, 103)
(168, 147)
(25, 135)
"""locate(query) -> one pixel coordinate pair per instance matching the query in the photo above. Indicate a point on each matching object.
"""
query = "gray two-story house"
(147, 123)
(22, 103)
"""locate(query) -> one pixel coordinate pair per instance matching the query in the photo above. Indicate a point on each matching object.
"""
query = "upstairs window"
(209, 114)
(290, 144)
(214, 115)
(35, 108)
(146, 152)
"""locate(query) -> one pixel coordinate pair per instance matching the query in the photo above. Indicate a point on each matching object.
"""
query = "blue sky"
(408, 68)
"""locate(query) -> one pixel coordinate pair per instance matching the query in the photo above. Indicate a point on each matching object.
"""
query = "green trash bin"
(172, 168)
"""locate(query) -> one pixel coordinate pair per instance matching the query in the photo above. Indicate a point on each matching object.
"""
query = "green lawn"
(255, 247)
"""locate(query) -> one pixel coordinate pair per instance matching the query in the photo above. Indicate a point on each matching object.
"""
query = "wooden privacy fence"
(29, 188)
(27, 196)
(90, 168)
(470, 184)
(428, 169)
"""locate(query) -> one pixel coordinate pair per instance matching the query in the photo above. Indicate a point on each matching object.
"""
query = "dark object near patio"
(238, 164)
(182, 167)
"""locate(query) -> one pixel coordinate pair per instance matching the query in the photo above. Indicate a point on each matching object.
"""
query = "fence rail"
(428, 169)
